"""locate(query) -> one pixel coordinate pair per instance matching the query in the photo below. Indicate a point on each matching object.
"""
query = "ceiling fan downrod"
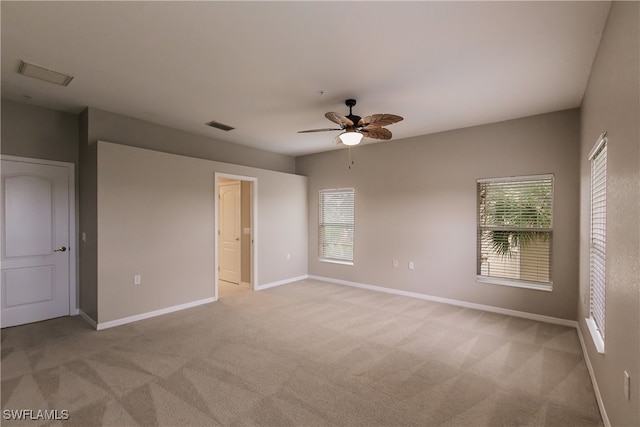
(351, 103)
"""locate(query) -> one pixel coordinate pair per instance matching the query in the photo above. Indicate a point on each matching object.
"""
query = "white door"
(35, 242)
(229, 232)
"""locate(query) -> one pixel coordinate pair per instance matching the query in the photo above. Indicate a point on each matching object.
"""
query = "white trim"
(465, 304)
(254, 227)
(88, 319)
(537, 286)
(516, 178)
(337, 190)
(598, 145)
(35, 161)
(594, 383)
(595, 334)
(150, 314)
(73, 238)
(335, 261)
(281, 282)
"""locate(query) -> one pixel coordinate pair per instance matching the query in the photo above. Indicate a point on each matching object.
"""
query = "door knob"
(61, 249)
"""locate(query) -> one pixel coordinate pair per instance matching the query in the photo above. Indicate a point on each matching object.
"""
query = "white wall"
(156, 219)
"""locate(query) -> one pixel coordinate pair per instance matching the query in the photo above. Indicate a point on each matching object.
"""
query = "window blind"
(598, 234)
(336, 225)
(515, 220)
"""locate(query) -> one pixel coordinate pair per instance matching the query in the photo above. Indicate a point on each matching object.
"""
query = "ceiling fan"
(356, 127)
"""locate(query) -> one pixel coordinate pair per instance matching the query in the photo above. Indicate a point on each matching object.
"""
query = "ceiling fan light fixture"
(351, 138)
(355, 127)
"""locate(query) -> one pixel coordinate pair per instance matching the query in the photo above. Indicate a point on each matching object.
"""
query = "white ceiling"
(270, 69)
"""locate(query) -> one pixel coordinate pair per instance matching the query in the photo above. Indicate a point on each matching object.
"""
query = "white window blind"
(598, 159)
(336, 225)
(515, 220)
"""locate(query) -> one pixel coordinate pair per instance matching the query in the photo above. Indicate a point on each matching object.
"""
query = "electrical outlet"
(395, 263)
(411, 265)
(627, 385)
(137, 279)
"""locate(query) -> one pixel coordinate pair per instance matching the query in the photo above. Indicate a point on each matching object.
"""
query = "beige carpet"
(226, 289)
(303, 354)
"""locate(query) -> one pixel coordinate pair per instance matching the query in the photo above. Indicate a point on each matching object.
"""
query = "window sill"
(335, 261)
(595, 335)
(537, 286)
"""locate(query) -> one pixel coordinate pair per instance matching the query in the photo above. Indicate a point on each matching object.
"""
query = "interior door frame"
(73, 238)
(254, 226)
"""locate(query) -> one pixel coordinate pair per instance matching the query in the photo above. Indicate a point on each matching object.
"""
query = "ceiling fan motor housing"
(355, 119)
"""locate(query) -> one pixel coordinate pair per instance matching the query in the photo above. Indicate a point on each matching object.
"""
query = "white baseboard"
(88, 319)
(281, 282)
(489, 308)
(592, 375)
(130, 319)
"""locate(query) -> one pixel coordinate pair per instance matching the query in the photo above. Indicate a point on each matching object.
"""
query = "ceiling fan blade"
(318, 130)
(339, 119)
(376, 132)
(379, 120)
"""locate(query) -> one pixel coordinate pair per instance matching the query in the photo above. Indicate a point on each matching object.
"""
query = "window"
(595, 322)
(336, 223)
(515, 219)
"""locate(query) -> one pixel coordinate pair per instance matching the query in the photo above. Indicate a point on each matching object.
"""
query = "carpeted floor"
(226, 289)
(304, 354)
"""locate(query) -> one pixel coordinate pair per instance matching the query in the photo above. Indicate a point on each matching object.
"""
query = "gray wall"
(41, 133)
(612, 104)
(98, 125)
(156, 219)
(117, 128)
(88, 221)
(415, 200)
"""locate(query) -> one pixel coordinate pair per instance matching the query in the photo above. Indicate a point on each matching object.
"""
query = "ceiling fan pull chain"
(351, 162)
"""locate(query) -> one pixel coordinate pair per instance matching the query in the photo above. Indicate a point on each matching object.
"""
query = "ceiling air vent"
(220, 126)
(41, 73)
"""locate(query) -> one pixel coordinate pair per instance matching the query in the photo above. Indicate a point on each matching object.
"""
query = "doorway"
(38, 245)
(235, 225)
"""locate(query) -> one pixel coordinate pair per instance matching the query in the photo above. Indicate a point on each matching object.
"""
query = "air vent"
(220, 126)
(41, 73)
